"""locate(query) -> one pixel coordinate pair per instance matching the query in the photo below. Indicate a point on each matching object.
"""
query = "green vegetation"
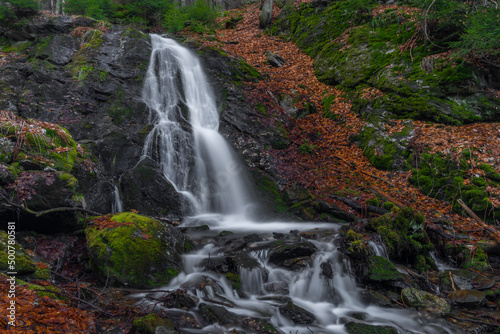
(405, 238)
(358, 48)
(148, 13)
(16, 9)
(133, 250)
(443, 177)
(381, 269)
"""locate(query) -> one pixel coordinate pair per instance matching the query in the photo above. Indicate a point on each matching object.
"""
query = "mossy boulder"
(138, 251)
(23, 263)
(149, 323)
(425, 301)
(404, 235)
(380, 270)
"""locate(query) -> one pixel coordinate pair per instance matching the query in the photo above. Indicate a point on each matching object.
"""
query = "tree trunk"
(266, 14)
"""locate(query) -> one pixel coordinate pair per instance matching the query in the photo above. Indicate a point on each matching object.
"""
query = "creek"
(308, 289)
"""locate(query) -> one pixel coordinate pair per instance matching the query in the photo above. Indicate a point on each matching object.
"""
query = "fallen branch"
(41, 213)
(363, 172)
(452, 282)
(379, 192)
(479, 221)
(77, 299)
(358, 207)
(218, 302)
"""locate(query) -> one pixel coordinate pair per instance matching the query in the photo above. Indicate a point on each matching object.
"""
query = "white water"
(196, 159)
(117, 205)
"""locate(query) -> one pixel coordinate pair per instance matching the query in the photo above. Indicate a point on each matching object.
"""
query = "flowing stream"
(197, 160)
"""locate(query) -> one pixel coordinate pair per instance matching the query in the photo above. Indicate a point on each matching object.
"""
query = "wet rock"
(297, 314)
(462, 280)
(149, 323)
(468, 298)
(165, 330)
(135, 250)
(260, 326)
(178, 299)
(286, 252)
(425, 301)
(145, 189)
(198, 282)
(482, 283)
(326, 270)
(281, 300)
(218, 314)
(278, 287)
(274, 60)
(297, 263)
(243, 260)
(381, 270)
(221, 264)
(375, 298)
(182, 319)
(358, 328)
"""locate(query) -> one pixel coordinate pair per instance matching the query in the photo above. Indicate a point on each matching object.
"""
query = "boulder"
(381, 270)
(286, 252)
(23, 263)
(425, 301)
(138, 251)
(59, 50)
(274, 60)
(468, 298)
(297, 314)
(146, 189)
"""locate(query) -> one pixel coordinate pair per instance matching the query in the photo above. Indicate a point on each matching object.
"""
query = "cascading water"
(116, 205)
(193, 156)
(199, 163)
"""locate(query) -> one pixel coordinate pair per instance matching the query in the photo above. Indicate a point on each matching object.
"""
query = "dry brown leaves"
(36, 314)
(337, 165)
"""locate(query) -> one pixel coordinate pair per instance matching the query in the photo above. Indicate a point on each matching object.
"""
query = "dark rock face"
(297, 314)
(145, 189)
(281, 255)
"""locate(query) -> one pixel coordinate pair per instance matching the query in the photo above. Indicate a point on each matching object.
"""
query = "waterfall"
(117, 205)
(199, 163)
(185, 140)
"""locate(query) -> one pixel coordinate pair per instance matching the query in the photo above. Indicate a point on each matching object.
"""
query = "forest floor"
(335, 164)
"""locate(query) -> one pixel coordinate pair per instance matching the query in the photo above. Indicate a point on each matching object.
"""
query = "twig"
(452, 283)
(77, 299)
(104, 288)
(41, 213)
(479, 221)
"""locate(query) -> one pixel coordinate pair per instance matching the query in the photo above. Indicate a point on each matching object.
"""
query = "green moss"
(235, 280)
(71, 181)
(268, 187)
(261, 108)
(22, 261)
(477, 260)
(441, 176)
(404, 235)
(381, 269)
(130, 249)
(149, 323)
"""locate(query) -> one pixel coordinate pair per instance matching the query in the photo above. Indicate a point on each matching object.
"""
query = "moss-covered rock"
(425, 301)
(356, 47)
(405, 238)
(138, 251)
(380, 269)
(149, 323)
(14, 255)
